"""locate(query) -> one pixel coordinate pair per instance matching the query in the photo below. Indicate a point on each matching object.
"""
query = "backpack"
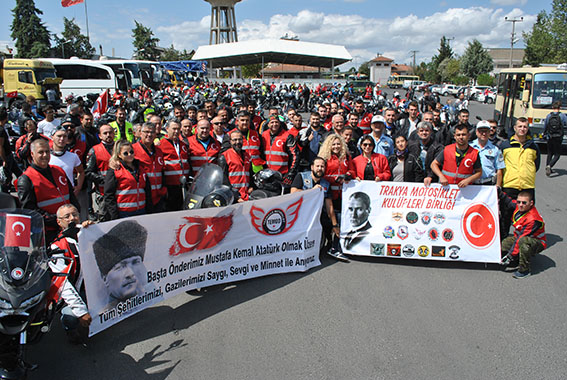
(555, 125)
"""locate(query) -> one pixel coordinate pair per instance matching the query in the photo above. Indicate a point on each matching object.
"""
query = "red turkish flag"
(17, 232)
(13, 94)
(68, 3)
(200, 233)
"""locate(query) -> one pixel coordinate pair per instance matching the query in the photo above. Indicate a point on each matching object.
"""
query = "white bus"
(82, 77)
(142, 71)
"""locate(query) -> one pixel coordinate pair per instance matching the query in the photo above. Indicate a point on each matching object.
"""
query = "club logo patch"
(397, 216)
(419, 233)
(412, 217)
(17, 273)
(275, 221)
(426, 218)
(408, 250)
(389, 232)
(403, 232)
(433, 234)
(377, 249)
(439, 218)
(394, 249)
(448, 234)
(454, 252)
(438, 251)
(423, 251)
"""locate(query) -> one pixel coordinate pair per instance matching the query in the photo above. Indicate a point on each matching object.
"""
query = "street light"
(513, 38)
(63, 47)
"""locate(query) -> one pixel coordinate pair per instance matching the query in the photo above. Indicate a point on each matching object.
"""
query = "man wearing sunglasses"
(529, 234)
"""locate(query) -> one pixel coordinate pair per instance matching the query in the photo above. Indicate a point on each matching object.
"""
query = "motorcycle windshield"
(208, 178)
(23, 259)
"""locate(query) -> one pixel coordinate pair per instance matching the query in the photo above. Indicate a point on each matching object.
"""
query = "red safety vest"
(153, 166)
(176, 165)
(379, 164)
(199, 155)
(130, 192)
(336, 168)
(276, 155)
(251, 144)
(450, 170)
(102, 159)
(238, 171)
(49, 196)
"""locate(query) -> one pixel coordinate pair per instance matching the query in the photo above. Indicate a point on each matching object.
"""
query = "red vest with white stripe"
(130, 192)
(523, 223)
(102, 158)
(465, 169)
(336, 168)
(276, 155)
(199, 155)
(153, 166)
(176, 165)
(238, 171)
(49, 196)
(251, 144)
(79, 148)
(364, 123)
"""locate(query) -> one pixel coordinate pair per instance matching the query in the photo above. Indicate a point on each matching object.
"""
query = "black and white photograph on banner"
(410, 220)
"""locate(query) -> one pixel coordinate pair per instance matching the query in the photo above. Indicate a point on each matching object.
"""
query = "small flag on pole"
(68, 3)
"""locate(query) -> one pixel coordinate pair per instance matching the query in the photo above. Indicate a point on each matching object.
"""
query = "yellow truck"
(24, 77)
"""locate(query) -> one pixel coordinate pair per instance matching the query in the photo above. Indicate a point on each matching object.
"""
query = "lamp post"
(63, 47)
(513, 39)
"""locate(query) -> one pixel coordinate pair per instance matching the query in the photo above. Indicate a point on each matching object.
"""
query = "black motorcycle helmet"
(220, 197)
(269, 180)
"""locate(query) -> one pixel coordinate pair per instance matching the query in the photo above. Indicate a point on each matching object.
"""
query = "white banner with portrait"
(133, 263)
(409, 220)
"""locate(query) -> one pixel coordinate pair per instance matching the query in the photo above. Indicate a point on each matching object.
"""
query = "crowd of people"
(69, 169)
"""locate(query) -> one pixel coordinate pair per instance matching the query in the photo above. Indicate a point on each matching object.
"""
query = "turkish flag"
(200, 233)
(68, 3)
(18, 231)
(101, 105)
(13, 94)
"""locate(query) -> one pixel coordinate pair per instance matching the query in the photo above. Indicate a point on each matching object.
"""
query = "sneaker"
(548, 170)
(338, 255)
(518, 274)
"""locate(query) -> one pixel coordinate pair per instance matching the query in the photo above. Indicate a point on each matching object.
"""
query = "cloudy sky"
(364, 27)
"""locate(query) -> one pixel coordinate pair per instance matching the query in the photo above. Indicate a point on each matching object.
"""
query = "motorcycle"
(25, 278)
(207, 189)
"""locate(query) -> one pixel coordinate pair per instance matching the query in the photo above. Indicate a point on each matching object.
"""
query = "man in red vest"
(236, 165)
(250, 140)
(44, 188)
(177, 167)
(460, 161)
(280, 150)
(97, 165)
(202, 147)
(529, 234)
(152, 161)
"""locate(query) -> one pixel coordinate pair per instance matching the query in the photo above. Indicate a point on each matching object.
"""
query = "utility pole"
(513, 38)
(413, 52)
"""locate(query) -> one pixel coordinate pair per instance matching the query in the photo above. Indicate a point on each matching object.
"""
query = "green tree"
(31, 36)
(485, 80)
(539, 42)
(449, 69)
(559, 30)
(252, 71)
(72, 43)
(444, 52)
(476, 60)
(364, 69)
(172, 54)
(145, 44)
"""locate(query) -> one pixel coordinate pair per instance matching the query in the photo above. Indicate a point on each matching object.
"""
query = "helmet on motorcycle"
(268, 179)
(220, 197)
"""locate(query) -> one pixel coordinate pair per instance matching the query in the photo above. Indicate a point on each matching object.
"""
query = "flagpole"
(87, 18)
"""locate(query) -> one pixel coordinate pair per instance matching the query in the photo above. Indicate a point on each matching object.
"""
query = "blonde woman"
(126, 188)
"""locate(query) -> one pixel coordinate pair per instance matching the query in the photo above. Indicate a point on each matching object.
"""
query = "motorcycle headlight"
(33, 300)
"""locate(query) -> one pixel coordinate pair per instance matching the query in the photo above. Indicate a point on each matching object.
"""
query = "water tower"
(223, 21)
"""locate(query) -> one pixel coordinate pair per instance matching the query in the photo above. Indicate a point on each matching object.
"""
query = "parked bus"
(142, 71)
(82, 77)
(529, 92)
(397, 81)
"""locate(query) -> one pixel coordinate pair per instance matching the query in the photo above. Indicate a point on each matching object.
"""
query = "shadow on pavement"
(558, 173)
(553, 239)
(541, 263)
(426, 263)
(104, 356)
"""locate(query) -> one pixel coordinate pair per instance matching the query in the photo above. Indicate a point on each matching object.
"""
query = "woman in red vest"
(127, 191)
(339, 165)
(369, 165)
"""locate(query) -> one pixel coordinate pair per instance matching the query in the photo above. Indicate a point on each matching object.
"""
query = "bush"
(485, 80)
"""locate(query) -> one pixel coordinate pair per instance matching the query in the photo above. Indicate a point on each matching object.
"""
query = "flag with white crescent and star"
(200, 233)
(18, 231)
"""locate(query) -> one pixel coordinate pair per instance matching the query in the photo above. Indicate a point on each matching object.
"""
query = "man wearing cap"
(119, 255)
(383, 143)
(491, 158)
(68, 161)
(122, 128)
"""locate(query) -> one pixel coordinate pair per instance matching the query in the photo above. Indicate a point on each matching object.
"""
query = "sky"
(364, 27)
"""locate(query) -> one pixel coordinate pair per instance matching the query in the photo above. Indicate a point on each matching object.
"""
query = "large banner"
(409, 220)
(131, 264)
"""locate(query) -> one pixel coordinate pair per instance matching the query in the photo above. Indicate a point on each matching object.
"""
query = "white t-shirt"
(67, 162)
(45, 127)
